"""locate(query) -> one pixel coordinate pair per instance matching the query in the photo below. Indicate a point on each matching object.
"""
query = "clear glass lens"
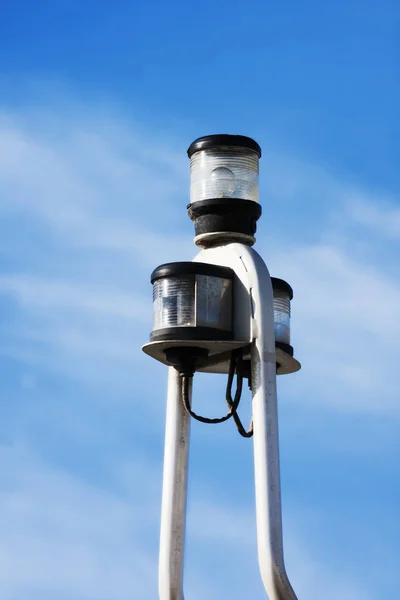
(192, 300)
(224, 181)
(174, 302)
(214, 302)
(224, 173)
(282, 317)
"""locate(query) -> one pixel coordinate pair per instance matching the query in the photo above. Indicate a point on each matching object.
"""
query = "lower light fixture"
(283, 294)
(192, 302)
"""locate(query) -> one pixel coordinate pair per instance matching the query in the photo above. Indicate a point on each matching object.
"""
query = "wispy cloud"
(64, 538)
(84, 221)
(381, 214)
(346, 317)
(68, 295)
(82, 264)
(90, 193)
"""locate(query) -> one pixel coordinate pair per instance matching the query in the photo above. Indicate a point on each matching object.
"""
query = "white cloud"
(65, 322)
(345, 327)
(315, 580)
(88, 187)
(84, 222)
(63, 538)
(377, 213)
(94, 188)
(87, 194)
(44, 294)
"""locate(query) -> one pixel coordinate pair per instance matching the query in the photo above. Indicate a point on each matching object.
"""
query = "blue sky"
(98, 103)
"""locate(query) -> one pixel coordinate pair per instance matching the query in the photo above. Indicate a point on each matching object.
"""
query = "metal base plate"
(286, 363)
(218, 351)
(219, 355)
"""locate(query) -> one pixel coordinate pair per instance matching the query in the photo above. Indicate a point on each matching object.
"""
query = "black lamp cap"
(178, 269)
(223, 139)
(282, 286)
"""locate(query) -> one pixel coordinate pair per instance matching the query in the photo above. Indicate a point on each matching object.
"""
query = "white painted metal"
(266, 442)
(215, 348)
(174, 494)
(219, 354)
(253, 320)
(253, 274)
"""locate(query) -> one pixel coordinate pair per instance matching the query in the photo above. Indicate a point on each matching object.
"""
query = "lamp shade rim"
(223, 139)
(179, 269)
(282, 286)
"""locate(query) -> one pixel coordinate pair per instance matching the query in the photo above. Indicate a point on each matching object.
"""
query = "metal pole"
(267, 480)
(266, 437)
(174, 494)
(257, 306)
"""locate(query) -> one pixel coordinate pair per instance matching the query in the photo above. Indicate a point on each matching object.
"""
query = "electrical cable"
(236, 365)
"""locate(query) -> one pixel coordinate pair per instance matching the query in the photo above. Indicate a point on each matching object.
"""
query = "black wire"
(236, 365)
(186, 403)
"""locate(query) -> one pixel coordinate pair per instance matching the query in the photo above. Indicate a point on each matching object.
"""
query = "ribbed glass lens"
(282, 316)
(174, 302)
(192, 301)
(214, 302)
(224, 172)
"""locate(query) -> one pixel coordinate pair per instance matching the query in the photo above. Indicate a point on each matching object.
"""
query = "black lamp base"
(219, 219)
(187, 360)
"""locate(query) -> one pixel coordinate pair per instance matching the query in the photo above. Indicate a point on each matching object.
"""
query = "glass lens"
(224, 173)
(282, 317)
(214, 302)
(174, 302)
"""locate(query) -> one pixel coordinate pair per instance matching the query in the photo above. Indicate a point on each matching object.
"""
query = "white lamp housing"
(224, 189)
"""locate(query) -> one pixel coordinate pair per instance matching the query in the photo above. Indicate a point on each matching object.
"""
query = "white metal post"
(254, 321)
(266, 436)
(254, 276)
(174, 494)
(224, 207)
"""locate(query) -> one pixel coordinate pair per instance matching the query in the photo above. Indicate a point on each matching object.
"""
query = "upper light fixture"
(224, 189)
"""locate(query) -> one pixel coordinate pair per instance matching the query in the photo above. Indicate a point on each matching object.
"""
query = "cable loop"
(236, 365)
